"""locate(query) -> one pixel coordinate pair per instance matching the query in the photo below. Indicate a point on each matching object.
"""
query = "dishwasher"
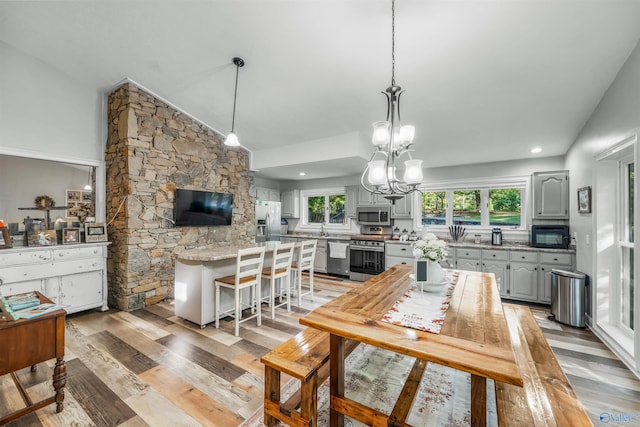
(338, 257)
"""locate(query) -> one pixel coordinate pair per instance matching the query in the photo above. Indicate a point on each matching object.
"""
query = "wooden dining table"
(474, 338)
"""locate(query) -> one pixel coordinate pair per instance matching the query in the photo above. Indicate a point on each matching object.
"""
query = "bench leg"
(309, 400)
(271, 392)
(478, 401)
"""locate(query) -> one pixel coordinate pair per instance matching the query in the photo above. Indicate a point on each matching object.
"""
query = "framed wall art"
(95, 232)
(584, 200)
(42, 238)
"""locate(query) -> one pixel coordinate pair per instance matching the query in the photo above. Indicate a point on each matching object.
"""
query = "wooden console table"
(27, 342)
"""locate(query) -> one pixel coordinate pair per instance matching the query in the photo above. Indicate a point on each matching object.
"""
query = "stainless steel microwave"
(374, 215)
(550, 236)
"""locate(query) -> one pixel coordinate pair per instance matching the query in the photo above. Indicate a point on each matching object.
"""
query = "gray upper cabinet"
(290, 203)
(351, 194)
(551, 195)
(402, 207)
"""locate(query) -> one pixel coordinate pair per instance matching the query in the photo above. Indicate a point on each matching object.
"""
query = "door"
(501, 271)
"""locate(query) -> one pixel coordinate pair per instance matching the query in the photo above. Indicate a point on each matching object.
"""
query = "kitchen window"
(486, 204)
(324, 207)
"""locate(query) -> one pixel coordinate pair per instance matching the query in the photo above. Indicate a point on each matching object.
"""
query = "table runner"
(422, 310)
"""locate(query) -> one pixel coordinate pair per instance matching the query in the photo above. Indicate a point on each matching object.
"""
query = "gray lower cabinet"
(468, 259)
(320, 261)
(497, 262)
(520, 275)
(398, 253)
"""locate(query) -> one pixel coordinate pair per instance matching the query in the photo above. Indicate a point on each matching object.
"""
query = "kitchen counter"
(318, 236)
(208, 254)
(506, 246)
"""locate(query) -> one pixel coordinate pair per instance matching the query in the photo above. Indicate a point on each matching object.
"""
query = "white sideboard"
(72, 275)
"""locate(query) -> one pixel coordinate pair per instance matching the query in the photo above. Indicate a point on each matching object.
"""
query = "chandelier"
(393, 142)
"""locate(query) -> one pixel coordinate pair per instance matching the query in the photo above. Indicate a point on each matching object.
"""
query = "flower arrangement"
(430, 247)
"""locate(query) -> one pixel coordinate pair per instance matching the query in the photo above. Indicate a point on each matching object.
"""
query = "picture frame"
(42, 238)
(5, 239)
(584, 200)
(70, 236)
(95, 232)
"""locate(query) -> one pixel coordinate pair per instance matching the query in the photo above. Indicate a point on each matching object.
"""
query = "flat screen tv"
(202, 208)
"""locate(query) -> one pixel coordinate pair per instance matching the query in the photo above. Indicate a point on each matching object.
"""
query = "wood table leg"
(336, 377)
(59, 381)
(271, 392)
(478, 401)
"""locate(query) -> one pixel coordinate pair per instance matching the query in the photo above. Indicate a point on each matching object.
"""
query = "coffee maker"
(496, 237)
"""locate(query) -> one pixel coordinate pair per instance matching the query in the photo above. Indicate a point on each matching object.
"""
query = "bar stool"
(279, 271)
(248, 275)
(306, 257)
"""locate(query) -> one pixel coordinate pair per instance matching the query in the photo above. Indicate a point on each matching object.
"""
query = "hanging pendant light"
(88, 187)
(392, 141)
(232, 138)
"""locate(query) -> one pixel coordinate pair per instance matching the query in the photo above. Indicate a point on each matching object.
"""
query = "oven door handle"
(366, 249)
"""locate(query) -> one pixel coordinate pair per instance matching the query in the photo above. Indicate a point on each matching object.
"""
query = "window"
(324, 207)
(491, 204)
(626, 243)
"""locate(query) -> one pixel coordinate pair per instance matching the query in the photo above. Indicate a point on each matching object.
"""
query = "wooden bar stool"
(248, 275)
(306, 258)
(280, 272)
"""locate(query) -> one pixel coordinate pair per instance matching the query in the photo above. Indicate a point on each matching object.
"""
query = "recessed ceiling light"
(302, 173)
(536, 150)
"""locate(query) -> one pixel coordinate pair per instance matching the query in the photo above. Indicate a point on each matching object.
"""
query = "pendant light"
(392, 141)
(232, 138)
(88, 187)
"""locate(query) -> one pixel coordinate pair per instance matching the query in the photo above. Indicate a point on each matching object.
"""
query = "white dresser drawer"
(71, 253)
(25, 257)
(77, 266)
(524, 256)
(22, 274)
(553, 258)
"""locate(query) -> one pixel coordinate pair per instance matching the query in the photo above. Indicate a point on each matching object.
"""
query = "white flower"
(430, 247)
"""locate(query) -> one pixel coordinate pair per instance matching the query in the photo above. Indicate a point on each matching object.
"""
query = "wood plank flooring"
(150, 368)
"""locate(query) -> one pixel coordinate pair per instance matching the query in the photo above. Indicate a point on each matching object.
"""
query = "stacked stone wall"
(152, 149)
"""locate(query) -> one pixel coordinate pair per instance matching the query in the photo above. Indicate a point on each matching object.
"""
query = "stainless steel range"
(367, 252)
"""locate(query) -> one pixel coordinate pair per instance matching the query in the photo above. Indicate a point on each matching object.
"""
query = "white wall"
(45, 111)
(616, 118)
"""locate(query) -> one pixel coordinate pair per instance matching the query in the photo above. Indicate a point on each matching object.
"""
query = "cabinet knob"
(494, 255)
(523, 257)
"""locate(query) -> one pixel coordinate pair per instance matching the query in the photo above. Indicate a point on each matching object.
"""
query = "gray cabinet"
(267, 194)
(549, 261)
(398, 253)
(523, 276)
(497, 262)
(468, 259)
(551, 195)
(401, 209)
(320, 261)
(365, 198)
(351, 195)
(290, 204)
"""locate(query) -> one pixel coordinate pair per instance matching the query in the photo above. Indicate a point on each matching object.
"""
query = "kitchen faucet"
(322, 230)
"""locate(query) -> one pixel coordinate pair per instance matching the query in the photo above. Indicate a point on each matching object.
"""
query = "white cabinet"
(523, 275)
(290, 203)
(351, 195)
(551, 195)
(320, 261)
(73, 275)
(267, 194)
(365, 198)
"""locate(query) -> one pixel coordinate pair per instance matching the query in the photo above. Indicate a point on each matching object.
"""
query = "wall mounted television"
(202, 208)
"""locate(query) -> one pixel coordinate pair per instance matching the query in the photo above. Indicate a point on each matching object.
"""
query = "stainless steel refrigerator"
(267, 221)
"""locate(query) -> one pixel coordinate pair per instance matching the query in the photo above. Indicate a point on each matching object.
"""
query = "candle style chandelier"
(392, 141)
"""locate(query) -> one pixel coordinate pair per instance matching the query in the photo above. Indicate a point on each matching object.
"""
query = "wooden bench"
(547, 398)
(304, 357)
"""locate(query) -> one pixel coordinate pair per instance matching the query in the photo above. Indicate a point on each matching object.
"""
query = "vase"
(435, 274)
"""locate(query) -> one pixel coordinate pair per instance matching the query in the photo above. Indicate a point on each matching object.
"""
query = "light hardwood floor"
(150, 368)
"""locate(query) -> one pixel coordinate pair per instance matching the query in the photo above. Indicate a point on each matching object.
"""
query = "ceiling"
(485, 80)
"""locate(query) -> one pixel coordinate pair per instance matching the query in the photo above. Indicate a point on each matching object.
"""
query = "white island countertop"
(218, 253)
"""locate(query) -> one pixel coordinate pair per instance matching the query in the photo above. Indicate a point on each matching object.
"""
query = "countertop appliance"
(496, 237)
(338, 256)
(374, 215)
(267, 221)
(550, 236)
(367, 252)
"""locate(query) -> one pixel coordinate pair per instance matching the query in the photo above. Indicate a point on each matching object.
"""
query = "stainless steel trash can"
(568, 297)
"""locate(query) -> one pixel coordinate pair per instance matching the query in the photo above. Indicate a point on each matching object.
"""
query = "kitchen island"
(195, 272)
